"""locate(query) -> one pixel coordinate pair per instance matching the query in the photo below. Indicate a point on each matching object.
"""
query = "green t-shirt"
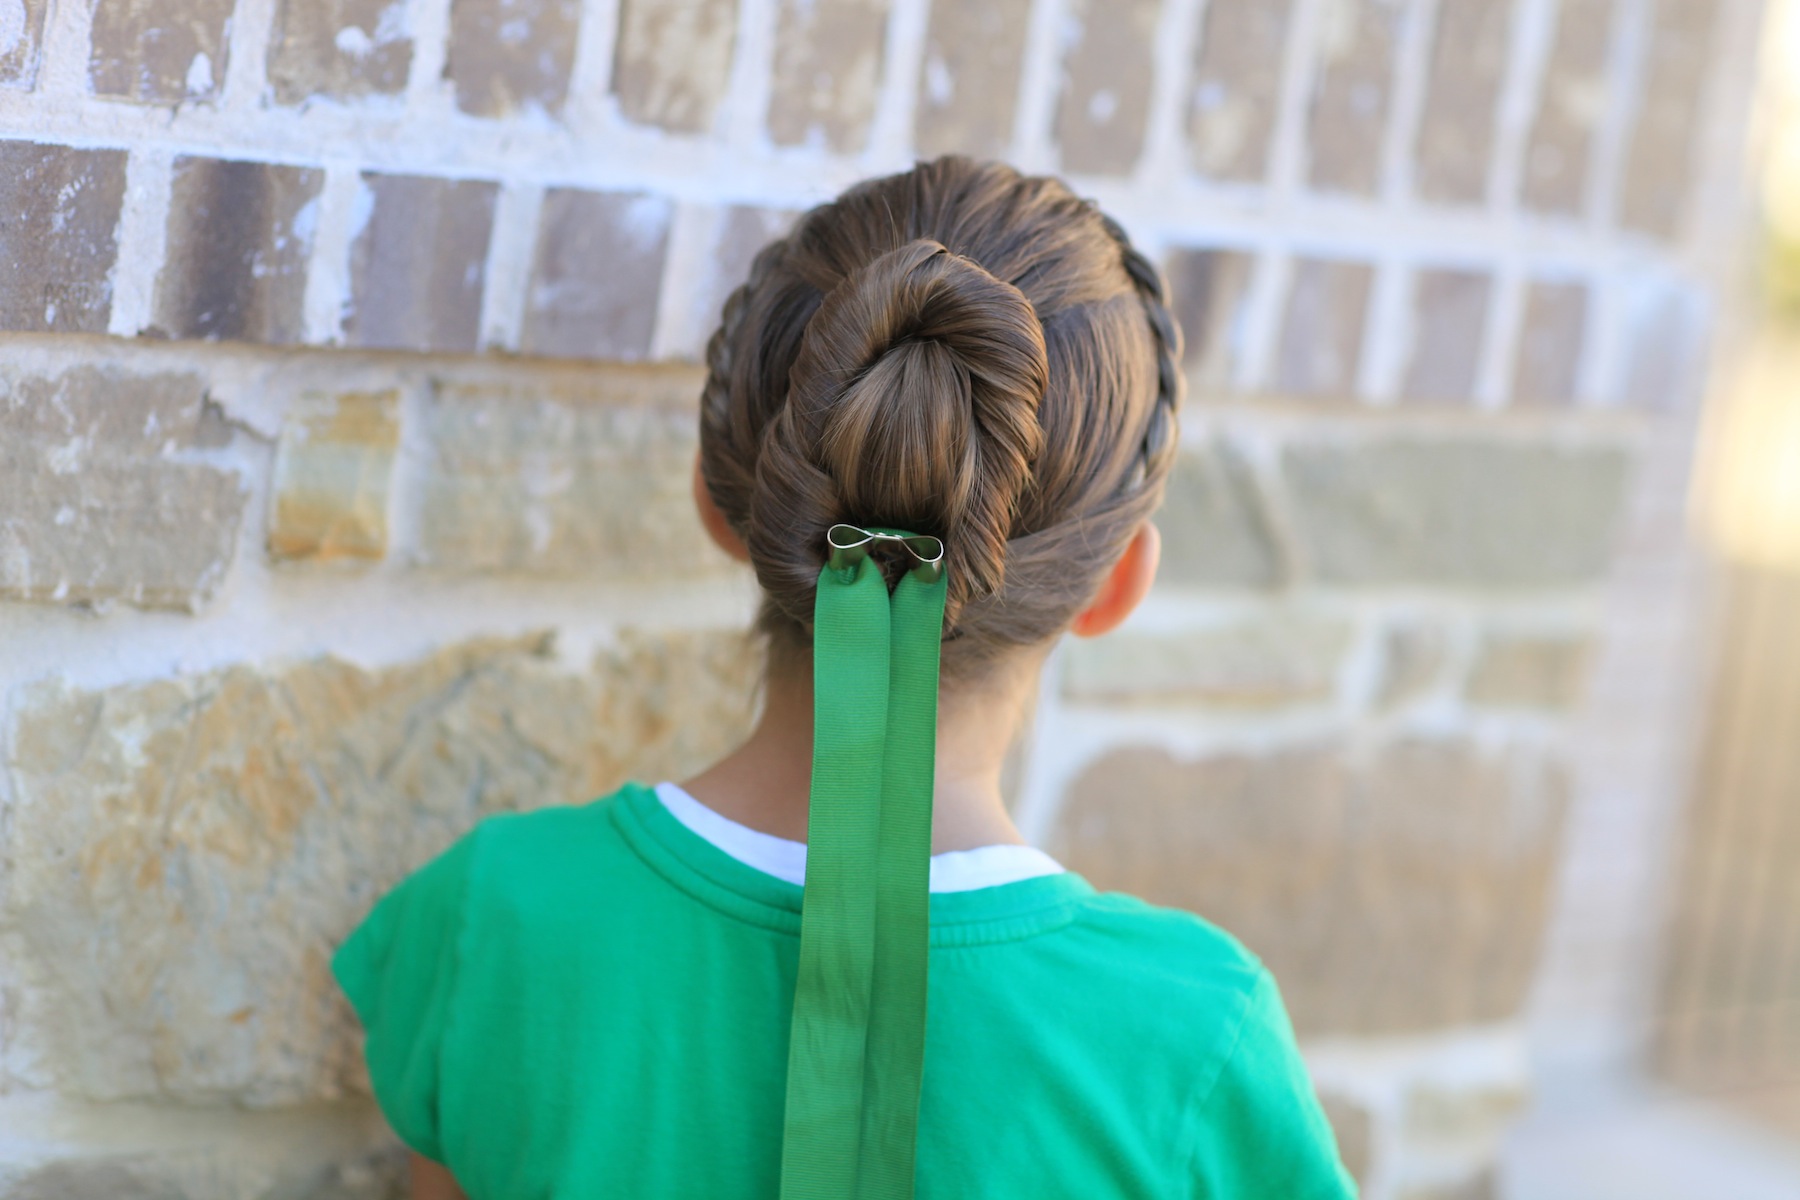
(593, 1001)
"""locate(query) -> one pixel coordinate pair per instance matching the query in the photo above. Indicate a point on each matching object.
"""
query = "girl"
(629, 998)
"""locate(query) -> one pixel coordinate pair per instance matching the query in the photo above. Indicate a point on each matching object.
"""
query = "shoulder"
(1169, 948)
(546, 854)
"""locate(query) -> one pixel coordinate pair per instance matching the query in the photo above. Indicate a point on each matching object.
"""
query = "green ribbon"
(858, 1040)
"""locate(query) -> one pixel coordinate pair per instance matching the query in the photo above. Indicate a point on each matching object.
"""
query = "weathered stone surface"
(827, 71)
(1659, 159)
(582, 479)
(332, 472)
(1666, 330)
(1404, 895)
(418, 263)
(1456, 128)
(1413, 657)
(339, 48)
(1209, 290)
(1322, 328)
(1547, 364)
(21, 40)
(239, 234)
(60, 236)
(1450, 310)
(1570, 109)
(1483, 1185)
(969, 83)
(507, 55)
(160, 51)
(1521, 671)
(1352, 1126)
(1215, 524)
(1456, 512)
(1267, 662)
(185, 853)
(596, 275)
(738, 233)
(1105, 95)
(100, 504)
(1352, 93)
(1474, 1115)
(1236, 93)
(672, 61)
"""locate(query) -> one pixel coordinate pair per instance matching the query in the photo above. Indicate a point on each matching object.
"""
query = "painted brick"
(1571, 107)
(60, 239)
(98, 509)
(1236, 94)
(159, 51)
(1514, 671)
(1210, 290)
(1322, 328)
(1484, 1184)
(1413, 657)
(969, 82)
(1456, 511)
(596, 275)
(1105, 98)
(1261, 663)
(1659, 159)
(737, 234)
(1547, 364)
(1405, 895)
(1450, 310)
(1352, 1126)
(673, 60)
(1469, 1114)
(1215, 524)
(827, 71)
(591, 478)
(169, 835)
(339, 48)
(418, 263)
(21, 42)
(333, 469)
(1352, 93)
(508, 55)
(239, 235)
(1456, 129)
(1666, 333)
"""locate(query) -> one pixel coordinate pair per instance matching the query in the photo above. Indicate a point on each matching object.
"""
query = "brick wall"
(346, 409)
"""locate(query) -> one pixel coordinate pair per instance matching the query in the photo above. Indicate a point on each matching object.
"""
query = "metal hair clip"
(850, 544)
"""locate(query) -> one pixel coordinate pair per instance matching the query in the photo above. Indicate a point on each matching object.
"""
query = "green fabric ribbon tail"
(858, 1037)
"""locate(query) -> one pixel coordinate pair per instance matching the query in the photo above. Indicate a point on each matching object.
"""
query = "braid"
(1161, 429)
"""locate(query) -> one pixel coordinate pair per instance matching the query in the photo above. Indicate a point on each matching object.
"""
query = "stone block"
(160, 51)
(102, 504)
(1547, 363)
(1235, 97)
(1519, 671)
(185, 853)
(1215, 524)
(1457, 127)
(587, 479)
(596, 275)
(339, 48)
(1474, 1115)
(1105, 95)
(1402, 891)
(21, 42)
(1210, 290)
(1571, 107)
(1450, 312)
(1352, 92)
(827, 73)
(57, 252)
(1456, 512)
(1267, 662)
(418, 263)
(1413, 658)
(969, 83)
(1322, 328)
(239, 236)
(1659, 158)
(333, 468)
(1484, 1184)
(1352, 1125)
(511, 55)
(672, 61)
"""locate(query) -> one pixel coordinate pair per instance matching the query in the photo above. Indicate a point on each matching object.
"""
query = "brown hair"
(959, 350)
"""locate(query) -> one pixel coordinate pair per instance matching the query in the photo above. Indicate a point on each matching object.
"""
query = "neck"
(766, 782)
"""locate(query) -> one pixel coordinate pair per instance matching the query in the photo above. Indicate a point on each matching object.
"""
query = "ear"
(717, 527)
(1125, 585)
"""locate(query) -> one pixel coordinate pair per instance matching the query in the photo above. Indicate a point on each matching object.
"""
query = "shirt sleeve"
(1261, 1133)
(398, 969)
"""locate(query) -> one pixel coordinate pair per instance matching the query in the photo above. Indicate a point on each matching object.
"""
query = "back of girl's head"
(960, 350)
